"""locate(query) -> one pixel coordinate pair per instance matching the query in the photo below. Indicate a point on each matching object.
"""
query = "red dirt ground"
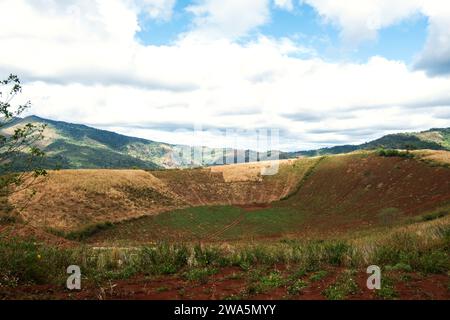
(230, 283)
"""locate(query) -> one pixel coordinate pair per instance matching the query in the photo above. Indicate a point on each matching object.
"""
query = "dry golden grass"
(434, 155)
(68, 199)
(427, 231)
(248, 171)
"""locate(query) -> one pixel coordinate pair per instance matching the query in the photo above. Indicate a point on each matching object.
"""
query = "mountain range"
(76, 146)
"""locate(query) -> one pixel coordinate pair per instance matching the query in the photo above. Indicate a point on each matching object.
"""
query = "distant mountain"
(435, 139)
(75, 146)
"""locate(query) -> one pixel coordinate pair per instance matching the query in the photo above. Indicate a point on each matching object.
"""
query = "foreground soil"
(235, 284)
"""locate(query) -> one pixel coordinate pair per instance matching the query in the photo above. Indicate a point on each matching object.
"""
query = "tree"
(20, 155)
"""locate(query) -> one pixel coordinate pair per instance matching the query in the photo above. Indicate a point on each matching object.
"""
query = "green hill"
(434, 139)
(75, 146)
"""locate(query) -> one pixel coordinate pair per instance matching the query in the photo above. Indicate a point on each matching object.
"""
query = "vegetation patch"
(395, 153)
(387, 290)
(297, 287)
(344, 286)
(200, 275)
(318, 276)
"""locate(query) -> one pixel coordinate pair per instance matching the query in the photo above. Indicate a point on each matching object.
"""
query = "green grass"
(202, 223)
(26, 261)
(318, 276)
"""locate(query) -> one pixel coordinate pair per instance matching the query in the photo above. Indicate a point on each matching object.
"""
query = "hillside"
(75, 146)
(434, 139)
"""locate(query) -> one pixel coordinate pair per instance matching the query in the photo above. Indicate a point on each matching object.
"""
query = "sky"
(317, 72)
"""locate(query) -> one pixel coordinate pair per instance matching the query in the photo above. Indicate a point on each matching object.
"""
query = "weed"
(272, 280)
(437, 261)
(387, 290)
(344, 286)
(200, 275)
(161, 289)
(318, 276)
(262, 283)
(297, 287)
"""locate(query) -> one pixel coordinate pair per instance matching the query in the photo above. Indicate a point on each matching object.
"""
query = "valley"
(158, 230)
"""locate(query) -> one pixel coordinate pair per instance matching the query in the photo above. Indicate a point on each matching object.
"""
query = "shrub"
(395, 153)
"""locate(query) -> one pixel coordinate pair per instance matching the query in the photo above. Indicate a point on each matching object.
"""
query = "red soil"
(230, 282)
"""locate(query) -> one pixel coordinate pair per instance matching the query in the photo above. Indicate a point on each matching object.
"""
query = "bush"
(395, 153)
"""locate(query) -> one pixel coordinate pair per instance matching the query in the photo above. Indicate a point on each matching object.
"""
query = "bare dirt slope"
(359, 189)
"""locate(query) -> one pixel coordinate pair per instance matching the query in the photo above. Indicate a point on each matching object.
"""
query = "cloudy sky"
(322, 72)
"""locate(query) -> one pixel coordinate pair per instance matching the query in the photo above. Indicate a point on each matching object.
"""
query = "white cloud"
(228, 19)
(84, 65)
(158, 9)
(361, 20)
(435, 58)
(284, 4)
